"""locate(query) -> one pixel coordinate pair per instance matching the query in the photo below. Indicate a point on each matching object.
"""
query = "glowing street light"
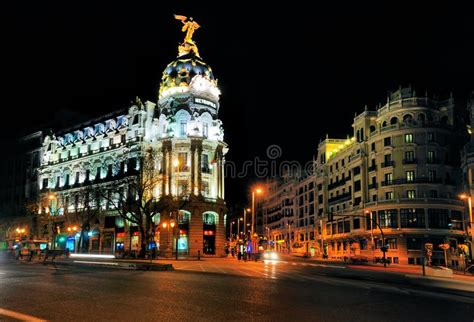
(471, 221)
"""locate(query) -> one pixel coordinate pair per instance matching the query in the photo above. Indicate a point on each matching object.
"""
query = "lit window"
(409, 138)
(411, 194)
(182, 128)
(410, 176)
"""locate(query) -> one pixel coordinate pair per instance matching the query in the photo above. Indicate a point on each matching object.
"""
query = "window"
(412, 218)
(205, 163)
(363, 244)
(409, 156)
(413, 243)
(357, 186)
(372, 146)
(411, 194)
(387, 141)
(438, 218)
(182, 161)
(391, 242)
(388, 178)
(357, 201)
(431, 136)
(205, 129)
(409, 138)
(388, 218)
(433, 193)
(431, 175)
(356, 171)
(45, 183)
(410, 176)
(430, 157)
(356, 223)
(387, 158)
(389, 195)
(340, 227)
(182, 128)
(347, 226)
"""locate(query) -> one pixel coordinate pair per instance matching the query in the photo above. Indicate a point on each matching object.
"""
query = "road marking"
(241, 271)
(19, 316)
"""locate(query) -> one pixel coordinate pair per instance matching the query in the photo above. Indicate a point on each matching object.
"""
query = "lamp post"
(471, 222)
(238, 227)
(246, 210)
(51, 197)
(254, 191)
(231, 230)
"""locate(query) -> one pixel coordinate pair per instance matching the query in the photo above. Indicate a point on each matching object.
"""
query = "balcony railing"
(405, 181)
(388, 164)
(372, 186)
(410, 161)
(372, 168)
(340, 198)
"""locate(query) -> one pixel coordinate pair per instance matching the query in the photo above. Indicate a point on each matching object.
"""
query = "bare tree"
(132, 197)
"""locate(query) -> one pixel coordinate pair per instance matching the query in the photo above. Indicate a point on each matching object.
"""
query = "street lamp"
(471, 221)
(254, 191)
(246, 210)
(238, 227)
(51, 197)
(231, 230)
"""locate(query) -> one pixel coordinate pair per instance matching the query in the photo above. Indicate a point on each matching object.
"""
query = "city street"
(225, 289)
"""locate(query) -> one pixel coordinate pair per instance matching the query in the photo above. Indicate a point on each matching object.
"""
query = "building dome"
(181, 71)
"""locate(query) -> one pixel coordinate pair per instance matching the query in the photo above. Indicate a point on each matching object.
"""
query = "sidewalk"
(391, 268)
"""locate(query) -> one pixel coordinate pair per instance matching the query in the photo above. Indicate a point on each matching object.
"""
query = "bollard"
(199, 255)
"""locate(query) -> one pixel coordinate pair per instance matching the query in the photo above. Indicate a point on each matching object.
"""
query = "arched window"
(156, 218)
(210, 218)
(361, 135)
(372, 129)
(407, 118)
(393, 121)
(384, 123)
(358, 136)
(421, 117)
(184, 216)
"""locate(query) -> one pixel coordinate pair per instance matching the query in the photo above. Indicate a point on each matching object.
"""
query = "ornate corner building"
(185, 136)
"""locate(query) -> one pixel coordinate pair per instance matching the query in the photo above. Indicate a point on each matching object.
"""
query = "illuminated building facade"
(185, 135)
(400, 169)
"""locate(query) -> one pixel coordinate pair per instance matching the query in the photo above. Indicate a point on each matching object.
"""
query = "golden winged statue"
(189, 26)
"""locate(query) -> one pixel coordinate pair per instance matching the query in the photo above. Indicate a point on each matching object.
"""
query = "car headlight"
(274, 256)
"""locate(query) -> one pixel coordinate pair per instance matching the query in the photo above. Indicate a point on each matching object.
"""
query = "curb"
(115, 265)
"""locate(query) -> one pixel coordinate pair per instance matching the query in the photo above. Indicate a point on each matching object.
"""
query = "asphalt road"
(221, 290)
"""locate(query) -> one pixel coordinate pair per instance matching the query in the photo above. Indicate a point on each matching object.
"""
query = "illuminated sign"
(205, 102)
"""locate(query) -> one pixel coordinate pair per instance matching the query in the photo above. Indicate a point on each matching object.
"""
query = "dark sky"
(288, 73)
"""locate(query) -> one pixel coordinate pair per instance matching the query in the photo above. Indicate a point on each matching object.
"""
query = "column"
(199, 170)
(193, 167)
(195, 233)
(220, 235)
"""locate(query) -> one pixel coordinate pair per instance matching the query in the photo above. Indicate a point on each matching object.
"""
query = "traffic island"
(116, 265)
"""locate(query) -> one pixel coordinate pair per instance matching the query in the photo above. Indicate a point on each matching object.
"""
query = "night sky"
(288, 73)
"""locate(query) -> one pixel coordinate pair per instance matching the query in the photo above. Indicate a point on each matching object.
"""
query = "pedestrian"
(227, 251)
(232, 251)
(239, 255)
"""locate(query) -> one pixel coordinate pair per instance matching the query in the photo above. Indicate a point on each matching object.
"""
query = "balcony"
(340, 198)
(433, 161)
(372, 168)
(388, 164)
(372, 186)
(410, 161)
(405, 181)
